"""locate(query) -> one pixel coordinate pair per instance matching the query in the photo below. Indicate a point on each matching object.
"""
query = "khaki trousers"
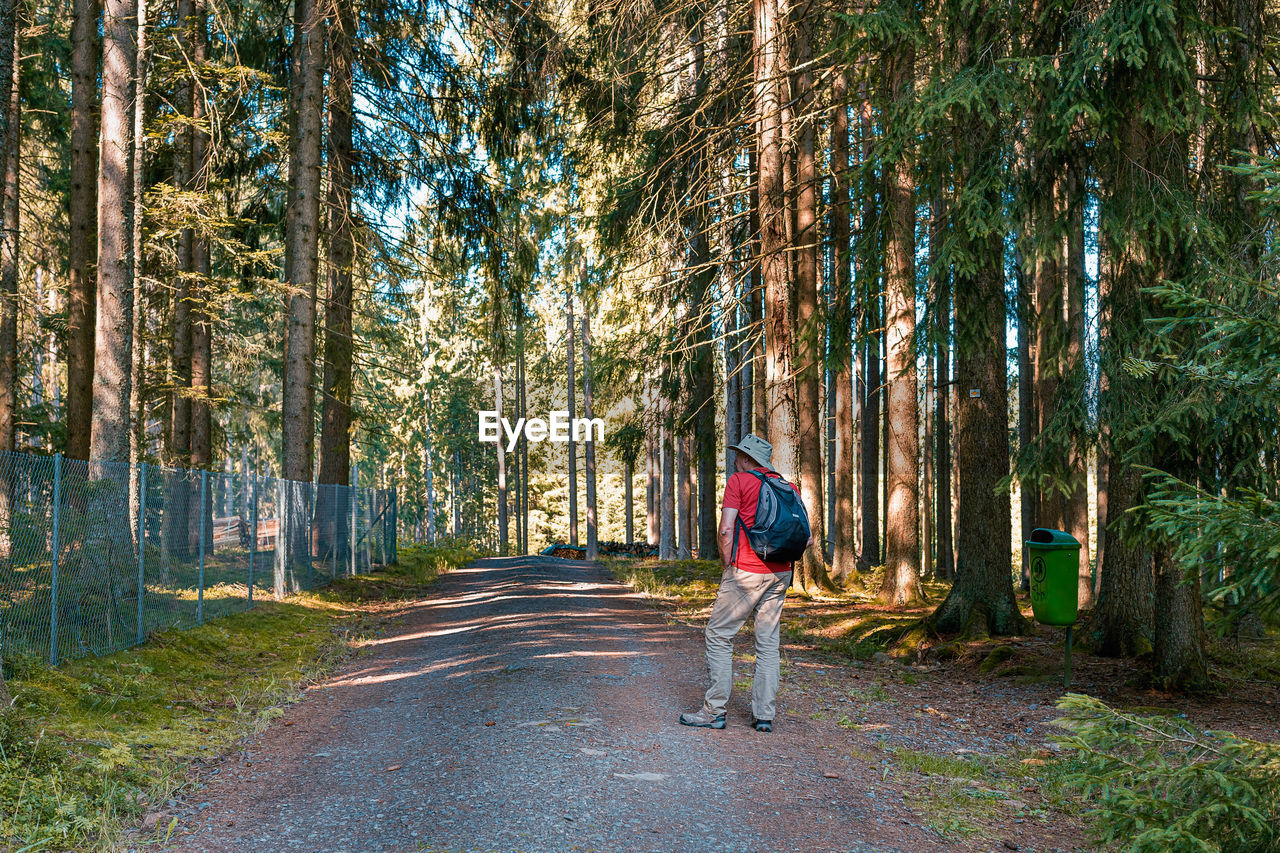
(741, 594)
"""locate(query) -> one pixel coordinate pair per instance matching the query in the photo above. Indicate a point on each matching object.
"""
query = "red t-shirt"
(742, 492)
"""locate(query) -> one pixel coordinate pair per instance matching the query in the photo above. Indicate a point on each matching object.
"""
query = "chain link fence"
(95, 556)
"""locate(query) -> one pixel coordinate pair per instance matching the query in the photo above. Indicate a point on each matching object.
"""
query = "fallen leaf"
(831, 775)
(393, 767)
(491, 723)
(288, 722)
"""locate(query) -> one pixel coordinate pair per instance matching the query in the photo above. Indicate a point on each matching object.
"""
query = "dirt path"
(531, 705)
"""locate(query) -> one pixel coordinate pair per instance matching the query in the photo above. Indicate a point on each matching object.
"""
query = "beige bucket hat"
(757, 448)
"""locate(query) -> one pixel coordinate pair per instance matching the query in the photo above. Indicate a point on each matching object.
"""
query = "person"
(748, 585)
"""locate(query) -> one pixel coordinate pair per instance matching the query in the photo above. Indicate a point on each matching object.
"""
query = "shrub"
(1157, 783)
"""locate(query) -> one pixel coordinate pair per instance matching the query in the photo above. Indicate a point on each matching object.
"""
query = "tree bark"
(201, 332)
(684, 530)
(301, 241)
(941, 431)
(1077, 499)
(628, 501)
(83, 223)
(113, 355)
(667, 505)
(1028, 490)
(844, 560)
(571, 448)
(869, 342)
(593, 540)
(336, 383)
(503, 533)
(981, 600)
(10, 157)
(901, 584)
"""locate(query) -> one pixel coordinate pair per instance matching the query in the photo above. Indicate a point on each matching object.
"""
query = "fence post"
(204, 497)
(351, 490)
(53, 561)
(333, 537)
(253, 541)
(142, 543)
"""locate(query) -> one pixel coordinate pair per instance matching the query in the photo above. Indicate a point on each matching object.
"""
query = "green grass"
(93, 745)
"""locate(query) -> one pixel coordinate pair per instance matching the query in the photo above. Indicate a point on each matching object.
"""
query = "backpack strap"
(737, 521)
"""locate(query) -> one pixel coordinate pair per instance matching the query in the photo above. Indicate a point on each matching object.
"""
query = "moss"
(92, 745)
(997, 656)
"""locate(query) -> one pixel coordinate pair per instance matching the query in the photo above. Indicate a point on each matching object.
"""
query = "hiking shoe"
(762, 725)
(703, 719)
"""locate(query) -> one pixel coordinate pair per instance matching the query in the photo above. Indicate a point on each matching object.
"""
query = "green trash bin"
(1055, 568)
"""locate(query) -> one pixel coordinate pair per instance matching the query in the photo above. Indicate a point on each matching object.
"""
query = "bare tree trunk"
(981, 600)
(10, 151)
(901, 584)
(844, 557)
(201, 332)
(653, 488)
(113, 357)
(684, 530)
(524, 445)
(1028, 490)
(811, 573)
(667, 509)
(593, 540)
(942, 433)
(1077, 454)
(755, 399)
(502, 465)
(869, 342)
(180, 345)
(82, 219)
(138, 384)
(779, 328)
(628, 501)
(301, 246)
(571, 448)
(336, 382)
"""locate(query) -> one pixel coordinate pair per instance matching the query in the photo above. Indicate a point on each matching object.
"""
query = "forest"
(973, 268)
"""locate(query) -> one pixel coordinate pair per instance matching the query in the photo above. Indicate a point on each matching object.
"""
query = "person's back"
(749, 585)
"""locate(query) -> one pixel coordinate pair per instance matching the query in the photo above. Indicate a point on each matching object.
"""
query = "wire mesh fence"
(95, 556)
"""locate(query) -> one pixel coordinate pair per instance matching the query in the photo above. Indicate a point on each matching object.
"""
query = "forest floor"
(531, 704)
(963, 731)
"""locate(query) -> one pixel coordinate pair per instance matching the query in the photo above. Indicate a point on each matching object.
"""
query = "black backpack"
(780, 532)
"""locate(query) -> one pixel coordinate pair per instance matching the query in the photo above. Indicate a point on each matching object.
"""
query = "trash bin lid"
(1048, 539)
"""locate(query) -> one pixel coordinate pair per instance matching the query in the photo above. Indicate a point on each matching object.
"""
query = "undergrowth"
(91, 746)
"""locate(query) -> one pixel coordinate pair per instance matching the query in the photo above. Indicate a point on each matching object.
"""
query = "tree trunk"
(684, 530)
(593, 541)
(1028, 490)
(180, 345)
(755, 408)
(869, 341)
(844, 557)
(628, 501)
(667, 507)
(201, 332)
(522, 390)
(571, 447)
(981, 600)
(942, 430)
(10, 150)
(336, 383)
(653, 488)
(901, 584)
(503, 533)
(1077, 499)
(113, 356)
(1179, 661)
(301, 241)
(811, 572)
(82, 221)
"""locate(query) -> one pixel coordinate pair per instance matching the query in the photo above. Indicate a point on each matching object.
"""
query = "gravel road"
(530, 705)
